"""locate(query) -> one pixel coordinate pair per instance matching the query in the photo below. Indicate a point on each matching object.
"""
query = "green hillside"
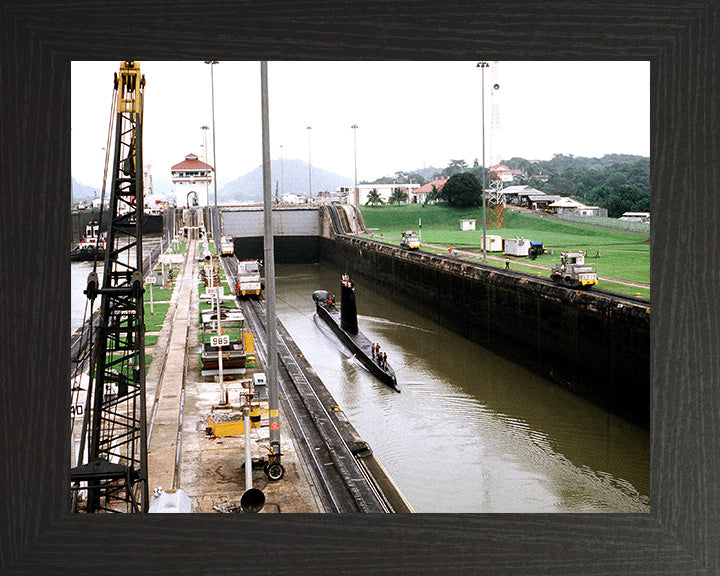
(624, 256)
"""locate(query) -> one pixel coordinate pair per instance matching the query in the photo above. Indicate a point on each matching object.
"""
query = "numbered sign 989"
(219, 341)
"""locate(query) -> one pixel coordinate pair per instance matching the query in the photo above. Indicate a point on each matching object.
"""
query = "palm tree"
(433, 196)
(398, 195)
(374, 197)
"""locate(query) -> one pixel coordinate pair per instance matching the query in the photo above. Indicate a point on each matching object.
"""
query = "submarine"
(344, 324)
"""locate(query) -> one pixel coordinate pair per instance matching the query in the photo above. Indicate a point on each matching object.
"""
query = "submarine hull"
(358, 343)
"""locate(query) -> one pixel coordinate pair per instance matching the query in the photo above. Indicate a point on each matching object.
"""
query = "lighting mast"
(496, 199)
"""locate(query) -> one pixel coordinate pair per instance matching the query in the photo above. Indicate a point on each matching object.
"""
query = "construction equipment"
(409, 240)
(573, 272)
(112, 458)
(227, 246)
(249, 282)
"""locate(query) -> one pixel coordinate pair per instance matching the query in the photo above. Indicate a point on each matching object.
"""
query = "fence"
(643, 227)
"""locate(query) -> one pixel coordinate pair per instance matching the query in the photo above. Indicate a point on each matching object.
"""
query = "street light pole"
(482, 66)
(205, 129)
(309, 165)
(212, 92)
(269, 251)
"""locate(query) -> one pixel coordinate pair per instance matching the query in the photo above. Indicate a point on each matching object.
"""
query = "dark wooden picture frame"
(681, 535)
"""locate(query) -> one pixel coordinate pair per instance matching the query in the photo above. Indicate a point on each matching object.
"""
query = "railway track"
(332, 456)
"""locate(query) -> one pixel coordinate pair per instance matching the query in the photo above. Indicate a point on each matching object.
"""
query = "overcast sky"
(409, 114)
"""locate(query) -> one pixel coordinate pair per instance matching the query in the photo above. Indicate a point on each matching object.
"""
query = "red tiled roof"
(191, 162)
(439, 183)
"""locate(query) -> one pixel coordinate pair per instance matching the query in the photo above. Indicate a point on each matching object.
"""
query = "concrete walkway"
(163, 441)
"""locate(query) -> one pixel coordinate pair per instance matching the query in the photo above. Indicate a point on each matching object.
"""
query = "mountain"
(426, 173)
(249, 188)
(83, 192)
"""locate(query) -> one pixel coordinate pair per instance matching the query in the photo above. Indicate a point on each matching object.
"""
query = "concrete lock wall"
(588, 343)
(296, 232)
(244, 222)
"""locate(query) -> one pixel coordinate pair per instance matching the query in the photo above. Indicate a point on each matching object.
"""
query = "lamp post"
(212, 96)
(482, 66)
(205, 129)
(354, 129)
(309, 165)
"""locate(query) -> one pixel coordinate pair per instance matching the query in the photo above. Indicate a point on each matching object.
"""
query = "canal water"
(79, 308)
(471, 431)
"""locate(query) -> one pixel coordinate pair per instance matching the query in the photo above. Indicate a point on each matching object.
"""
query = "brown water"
(471, 431)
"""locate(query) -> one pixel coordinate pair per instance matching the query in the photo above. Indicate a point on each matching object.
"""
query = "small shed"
(493, 243)
(466, 225)
(517, 247)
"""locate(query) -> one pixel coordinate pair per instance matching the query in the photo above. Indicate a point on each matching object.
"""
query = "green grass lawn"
(158, 294)
(179, 247)
(624, 256)
(154, 322)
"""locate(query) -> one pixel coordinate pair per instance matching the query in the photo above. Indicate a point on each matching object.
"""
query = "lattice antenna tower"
(496, 199)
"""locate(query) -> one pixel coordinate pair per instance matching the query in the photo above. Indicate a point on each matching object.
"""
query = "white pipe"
(248, 455)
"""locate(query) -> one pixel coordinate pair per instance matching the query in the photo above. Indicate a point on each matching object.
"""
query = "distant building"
(592, 211)
(346, 192)
(566, 206)
(384, 190)
(191, 179)
(419, 195)
(326, 197)
(636, 216)
(541, 201)
(518, 195)
(289, 198)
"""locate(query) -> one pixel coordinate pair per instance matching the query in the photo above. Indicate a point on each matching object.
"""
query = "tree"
(434, 195)
(462, 190)
(374, 197)
(454, 167)
(398, 195)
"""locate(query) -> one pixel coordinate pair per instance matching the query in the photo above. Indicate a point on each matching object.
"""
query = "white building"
(384, 190)
(566, 206)
(636, 216)
(191, 180)
(289, 198)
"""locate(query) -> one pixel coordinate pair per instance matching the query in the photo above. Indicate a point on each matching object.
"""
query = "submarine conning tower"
(348, 310)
